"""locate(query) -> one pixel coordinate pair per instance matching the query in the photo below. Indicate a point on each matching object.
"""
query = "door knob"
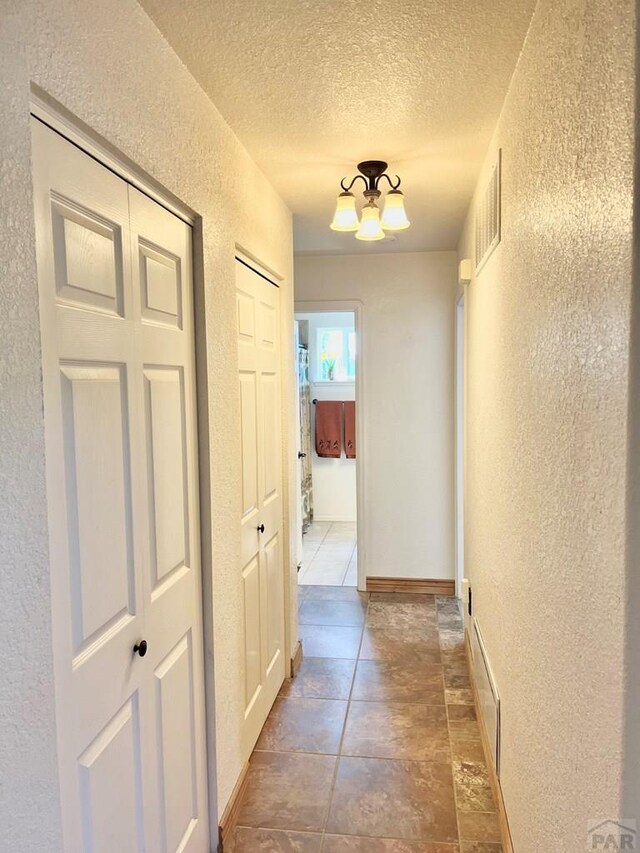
(141, 648)
(301, 455)
(260, 528)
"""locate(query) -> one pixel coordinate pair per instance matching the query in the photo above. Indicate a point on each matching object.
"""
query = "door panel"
(167, 466)
(115, 754)
(252, 635)
(88, 257)
(261, 561)
(274, 610)
(178, 773)
(98, 496)
(249, 430)
(114, 272)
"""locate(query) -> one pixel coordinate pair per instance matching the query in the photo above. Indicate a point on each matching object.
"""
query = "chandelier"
(371, 226)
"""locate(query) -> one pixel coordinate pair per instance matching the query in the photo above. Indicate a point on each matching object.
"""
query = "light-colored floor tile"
(326, 561)
(335, 546)
(351, 577)
(324, 575)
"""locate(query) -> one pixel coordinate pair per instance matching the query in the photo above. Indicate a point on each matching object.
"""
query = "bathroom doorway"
(328, 343)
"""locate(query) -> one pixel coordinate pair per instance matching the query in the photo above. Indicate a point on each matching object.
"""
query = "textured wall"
(407, 363)
(107, 63)
(547, 370)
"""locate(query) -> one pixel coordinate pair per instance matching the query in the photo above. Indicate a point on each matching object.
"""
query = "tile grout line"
(344, 726)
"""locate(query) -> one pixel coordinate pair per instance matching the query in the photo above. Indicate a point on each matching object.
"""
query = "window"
(336, 354)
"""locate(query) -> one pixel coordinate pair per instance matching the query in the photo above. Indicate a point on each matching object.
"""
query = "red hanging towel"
(350, 428)
(329, 429)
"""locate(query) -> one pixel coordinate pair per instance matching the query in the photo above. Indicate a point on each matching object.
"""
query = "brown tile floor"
(374, 747)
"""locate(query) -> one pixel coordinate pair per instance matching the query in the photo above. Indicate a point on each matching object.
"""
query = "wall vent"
(487, 222)
(488, 697)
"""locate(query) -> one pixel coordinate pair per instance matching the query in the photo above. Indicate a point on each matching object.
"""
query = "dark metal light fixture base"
(372, 168)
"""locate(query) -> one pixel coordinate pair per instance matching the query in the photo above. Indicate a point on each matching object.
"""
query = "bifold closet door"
(115, 284)
(261, 555)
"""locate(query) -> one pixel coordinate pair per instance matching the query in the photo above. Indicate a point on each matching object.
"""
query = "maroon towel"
(350, 428)
(329, 428)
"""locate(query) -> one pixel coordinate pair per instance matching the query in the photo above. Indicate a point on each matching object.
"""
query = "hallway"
(374, 746)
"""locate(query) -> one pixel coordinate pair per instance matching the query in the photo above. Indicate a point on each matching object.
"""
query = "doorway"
(327, 346)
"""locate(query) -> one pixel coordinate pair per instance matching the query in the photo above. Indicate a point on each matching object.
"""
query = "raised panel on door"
(252, 633)
(177, 747)
(88, 255)
(110, 783)
(274, 605)
(161, 286)
(98, 497)
(167, 470)
(270, 437)
(248, 433)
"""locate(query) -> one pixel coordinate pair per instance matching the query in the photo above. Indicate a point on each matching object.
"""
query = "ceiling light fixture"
(372, 226)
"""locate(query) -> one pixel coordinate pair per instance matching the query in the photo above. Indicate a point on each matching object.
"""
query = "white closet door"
(261, 561)
(114, 273)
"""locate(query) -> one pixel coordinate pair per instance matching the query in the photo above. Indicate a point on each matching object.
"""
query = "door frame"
(460, 386)
(60, 120)
(356, 307)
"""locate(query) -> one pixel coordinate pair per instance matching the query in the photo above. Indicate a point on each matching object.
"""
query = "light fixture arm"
(394, 186)
(348, 189)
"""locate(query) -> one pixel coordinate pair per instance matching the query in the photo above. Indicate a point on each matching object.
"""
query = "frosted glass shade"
(346, 216)
(394, 217)
(370, 226)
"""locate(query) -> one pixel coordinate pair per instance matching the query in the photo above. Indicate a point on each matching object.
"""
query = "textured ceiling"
(311, 87)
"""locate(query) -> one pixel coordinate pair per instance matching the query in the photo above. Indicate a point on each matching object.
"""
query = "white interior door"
(115, 286)
(261, 560)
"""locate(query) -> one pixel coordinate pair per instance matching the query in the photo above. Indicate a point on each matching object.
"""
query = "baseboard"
(420, 586)
(296, 660)
(507, 844)
(230, 814)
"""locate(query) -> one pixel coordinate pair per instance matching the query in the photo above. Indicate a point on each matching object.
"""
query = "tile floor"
(329, 554)
(374, 747)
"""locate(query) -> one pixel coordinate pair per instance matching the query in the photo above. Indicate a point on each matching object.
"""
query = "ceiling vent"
(488, 216)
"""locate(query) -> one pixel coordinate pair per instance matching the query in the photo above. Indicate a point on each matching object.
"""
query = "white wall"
(107, 64)
(334, 480)
(407, 361)
(548, 324)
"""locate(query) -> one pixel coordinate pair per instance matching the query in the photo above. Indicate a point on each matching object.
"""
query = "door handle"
(260, 528)
(301, 455)
(141, 648)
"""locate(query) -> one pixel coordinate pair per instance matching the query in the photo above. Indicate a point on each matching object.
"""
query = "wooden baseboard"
(296, 660)
(230, 814)
(420, 586)
(507, 844)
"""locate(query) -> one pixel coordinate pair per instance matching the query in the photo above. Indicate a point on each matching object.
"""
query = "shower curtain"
(305, 437)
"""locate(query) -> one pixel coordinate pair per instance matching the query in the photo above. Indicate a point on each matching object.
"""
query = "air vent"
(488, 217)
